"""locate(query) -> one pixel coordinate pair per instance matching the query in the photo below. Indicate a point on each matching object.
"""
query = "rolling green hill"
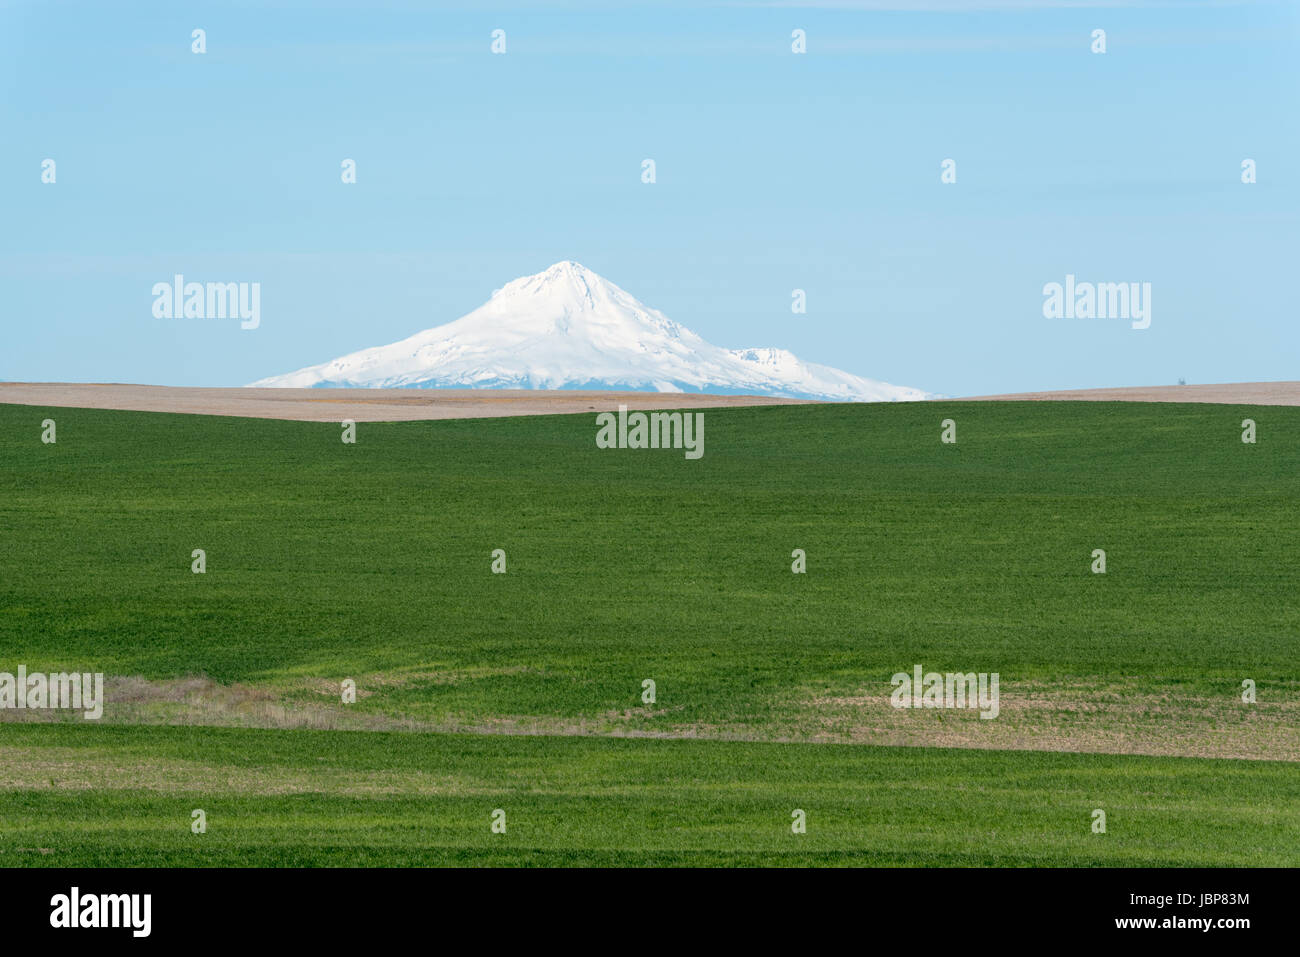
(372, 562)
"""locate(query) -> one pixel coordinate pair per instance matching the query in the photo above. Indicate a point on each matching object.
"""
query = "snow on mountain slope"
(567, 328)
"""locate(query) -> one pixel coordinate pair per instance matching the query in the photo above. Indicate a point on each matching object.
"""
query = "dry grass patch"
(1104, 716)
(1110, 716)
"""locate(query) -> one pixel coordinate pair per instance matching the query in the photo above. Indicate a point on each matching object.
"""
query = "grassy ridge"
(354, 798)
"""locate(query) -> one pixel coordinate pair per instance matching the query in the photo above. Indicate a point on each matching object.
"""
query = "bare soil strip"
(402, 405)
(359, 405)
(1230, 393)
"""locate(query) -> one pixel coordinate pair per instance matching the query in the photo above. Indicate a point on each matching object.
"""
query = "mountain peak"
(567, 267)
(568, 328)
(563, 277)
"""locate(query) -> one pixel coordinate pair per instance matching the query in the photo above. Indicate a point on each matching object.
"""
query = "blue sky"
(775, 171)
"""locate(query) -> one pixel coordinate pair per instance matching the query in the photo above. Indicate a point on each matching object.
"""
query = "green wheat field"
(523, 692)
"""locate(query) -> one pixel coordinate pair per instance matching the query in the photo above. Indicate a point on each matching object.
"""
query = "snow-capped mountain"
(567, 328)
